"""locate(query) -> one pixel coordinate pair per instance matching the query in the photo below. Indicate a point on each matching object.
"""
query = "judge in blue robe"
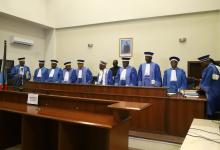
(20, 73)
(126, 76)
(210, 83)
(149, 73)
(174, 78)
(41, 73)
(69, 74)
(84, 75)
(55, 74)
(105, 75)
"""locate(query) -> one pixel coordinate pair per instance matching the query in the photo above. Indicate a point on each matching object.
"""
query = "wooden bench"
(64, 122)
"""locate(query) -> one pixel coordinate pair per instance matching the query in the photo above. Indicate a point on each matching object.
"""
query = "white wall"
(32, 10)
(159, 35)
(16, 27)
(66, 13)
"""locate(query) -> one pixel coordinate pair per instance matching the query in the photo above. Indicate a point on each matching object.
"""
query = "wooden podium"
(64, 122)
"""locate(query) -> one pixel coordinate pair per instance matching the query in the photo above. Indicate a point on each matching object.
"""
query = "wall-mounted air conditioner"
(18, 40)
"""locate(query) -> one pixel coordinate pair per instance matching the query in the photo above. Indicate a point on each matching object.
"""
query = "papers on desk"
(169, 94)
(192, 96)
(190, 93)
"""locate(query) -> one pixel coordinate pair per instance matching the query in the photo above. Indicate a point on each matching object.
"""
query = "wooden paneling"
(74, 137)
(117, 135)
(181, 112)
(39, 134)
(10, 127)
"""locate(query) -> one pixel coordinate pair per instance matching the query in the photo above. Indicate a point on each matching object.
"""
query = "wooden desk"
(65, 123)
(200, 131)
(160, 91)
(168, 114)
(180, 113)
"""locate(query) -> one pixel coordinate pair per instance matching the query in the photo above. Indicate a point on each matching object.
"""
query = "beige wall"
(156, 34)
(66, 13)
(33, 10)
(16, 27)
(219, 36)
(50, 51)
(159, 35)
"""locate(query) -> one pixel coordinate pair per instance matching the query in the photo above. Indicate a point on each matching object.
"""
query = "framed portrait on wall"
(125, 47)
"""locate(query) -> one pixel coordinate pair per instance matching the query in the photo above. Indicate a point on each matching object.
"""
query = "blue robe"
(86, 76)
(57, 77)
(108, 78)
(175, 86)
(131, 78)
(1, 79)
(44, 75)
(212, 88)
(72, 76)
(19, 79)
(155, 74)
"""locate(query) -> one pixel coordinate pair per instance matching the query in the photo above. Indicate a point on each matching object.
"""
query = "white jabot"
(123, 75)
(103, 77)
(215, 76)
(173, 76)
(100, 76)
(80, 74)
(51, 73)
(21, 70)
(66, 76)
(218, 68)
(147, 70)
(39, 73)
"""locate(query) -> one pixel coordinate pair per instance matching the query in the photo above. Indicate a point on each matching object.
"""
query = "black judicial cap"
(67, 63)
(21, 59)
(174, 58)
(81, 61)
(54, 61)
(103, 62)
(125, 59)
(41, 61)
(148, 53)
(204, 58)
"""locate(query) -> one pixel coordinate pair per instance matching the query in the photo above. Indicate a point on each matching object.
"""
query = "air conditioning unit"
(18, 40)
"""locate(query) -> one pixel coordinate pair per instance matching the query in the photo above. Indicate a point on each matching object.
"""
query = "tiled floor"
(15, 148)
(141, 144)
(145, 144)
